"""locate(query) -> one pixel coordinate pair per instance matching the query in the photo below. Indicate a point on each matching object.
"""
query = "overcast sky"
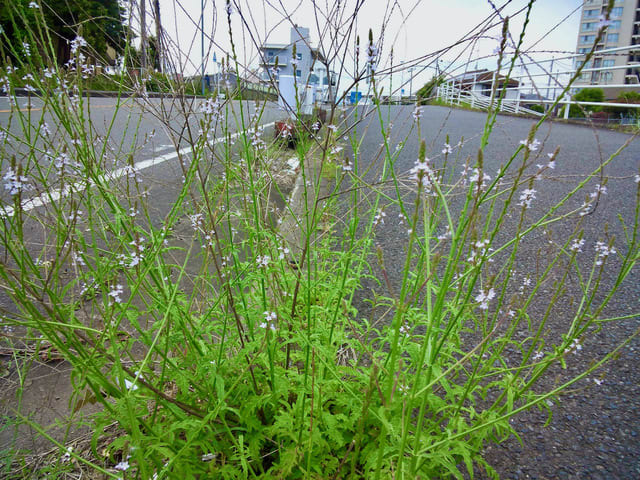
(415, 29)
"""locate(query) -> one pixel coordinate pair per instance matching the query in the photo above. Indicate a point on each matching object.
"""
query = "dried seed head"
(422, 154)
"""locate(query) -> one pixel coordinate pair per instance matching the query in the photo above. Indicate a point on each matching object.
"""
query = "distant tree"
(153, 59)
(100, 22)
(626, 98)
(586, 95)
(424, 94)
(629, 97)
(590, 95)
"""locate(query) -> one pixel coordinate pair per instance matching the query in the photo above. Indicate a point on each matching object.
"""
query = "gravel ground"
(593, 433)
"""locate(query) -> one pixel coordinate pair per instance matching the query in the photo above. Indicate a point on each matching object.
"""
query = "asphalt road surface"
(595, 427)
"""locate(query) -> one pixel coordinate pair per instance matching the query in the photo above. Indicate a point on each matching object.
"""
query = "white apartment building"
(623, 30)
(308, 66)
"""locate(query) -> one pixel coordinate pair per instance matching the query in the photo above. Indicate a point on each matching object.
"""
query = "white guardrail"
(462, 89)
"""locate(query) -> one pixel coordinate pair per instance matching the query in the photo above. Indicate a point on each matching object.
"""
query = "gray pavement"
(595, 428)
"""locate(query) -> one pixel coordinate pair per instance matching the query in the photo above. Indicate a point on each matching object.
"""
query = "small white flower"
(263, 261)
(603, 251)
(552, 162)
(34, 5)
(447, 150)
(576, 245)
(527, 196)
(207, 457)
(484, 297)
(77, 259)
(636, 179)
(76, 43)
(372, 56)
(15, 183)
(67, 454)
(533, 146)
(417, 113)
(574, 348)
(266, 325)
(379, 218)
(584, 209)
(599, 190)
(446, 234)
(115, 293)
(598, 381)
(423, 175)
(196, 220)
(537, 356)
(475, 178)
(478, 250)
(129, 385)
(122, 466)
(284, 251)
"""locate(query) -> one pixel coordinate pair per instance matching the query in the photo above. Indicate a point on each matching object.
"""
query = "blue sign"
(355, 97)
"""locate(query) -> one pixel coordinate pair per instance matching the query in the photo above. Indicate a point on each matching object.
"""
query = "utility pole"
(549, 78)
(202, 41)
(143, 39)
(411, 82)
(159, 47)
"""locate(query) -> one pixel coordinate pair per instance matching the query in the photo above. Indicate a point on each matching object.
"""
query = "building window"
(591, 13)
(580, 62)
(298, 73)
(589, 27)
(606, 77)
(584, 50)
(617, 11)
(615, 25)
(608, 63)
(612, 37)
(299, 56)
(587, 38)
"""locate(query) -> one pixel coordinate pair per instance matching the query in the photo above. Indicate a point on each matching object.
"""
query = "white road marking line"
(50, 197)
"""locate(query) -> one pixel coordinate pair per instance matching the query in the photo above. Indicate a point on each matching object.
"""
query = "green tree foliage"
(100, 22)
(424, 94)
(134, 59)
(629, 97)
(586, 95)
(626, 98)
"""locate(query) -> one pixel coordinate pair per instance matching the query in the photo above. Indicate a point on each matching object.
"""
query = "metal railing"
(453, 95)
(466, 89)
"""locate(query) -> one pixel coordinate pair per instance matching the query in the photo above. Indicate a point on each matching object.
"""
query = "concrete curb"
(292, 226)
